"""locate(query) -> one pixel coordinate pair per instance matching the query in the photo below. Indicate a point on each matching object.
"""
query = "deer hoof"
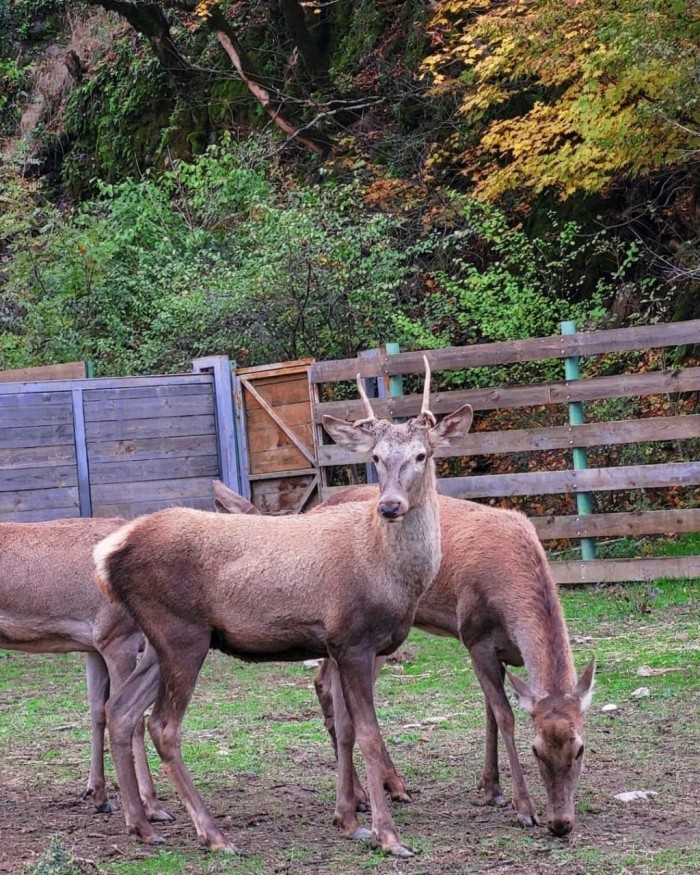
(106, 807)
(160, 815)
(499, 801)
(402, 852)
(401, 797)
(527, 820)
(362, 834)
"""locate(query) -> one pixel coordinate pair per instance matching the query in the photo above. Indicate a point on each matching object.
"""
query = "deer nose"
(560, 826)
(389, 509)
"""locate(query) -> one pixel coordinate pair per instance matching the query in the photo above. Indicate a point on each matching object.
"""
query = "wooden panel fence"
(637, 477)
(109, 447)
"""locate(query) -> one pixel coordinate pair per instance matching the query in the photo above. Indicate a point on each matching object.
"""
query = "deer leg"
(98, 691)
(356, 672)
(490, 783)
(124, 711)
(345, 816)
(121, 655)
(489, 671)
(324, 685)
(393, 784)
(179, 670)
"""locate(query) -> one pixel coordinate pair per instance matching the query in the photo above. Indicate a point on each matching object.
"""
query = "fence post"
(81, 453)
(395, 382)
(584, 503)
(373, 389)
(220, 368)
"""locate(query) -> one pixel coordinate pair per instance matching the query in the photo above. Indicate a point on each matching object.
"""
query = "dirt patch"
(275, 820)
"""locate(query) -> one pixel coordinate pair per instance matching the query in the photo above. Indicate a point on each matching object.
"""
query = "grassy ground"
(256, 747)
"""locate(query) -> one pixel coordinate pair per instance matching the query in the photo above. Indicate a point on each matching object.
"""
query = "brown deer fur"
(49, 604)
(495, 593)
(343, 584)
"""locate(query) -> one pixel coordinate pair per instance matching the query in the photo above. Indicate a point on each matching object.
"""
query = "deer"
(49, 604)
(495, 593)
(343, 584)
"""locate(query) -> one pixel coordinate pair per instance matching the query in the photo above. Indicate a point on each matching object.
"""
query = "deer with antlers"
(342, 584)
(495, 593)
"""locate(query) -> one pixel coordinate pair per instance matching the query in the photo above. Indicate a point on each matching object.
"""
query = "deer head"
(558, 745)
(401, 453)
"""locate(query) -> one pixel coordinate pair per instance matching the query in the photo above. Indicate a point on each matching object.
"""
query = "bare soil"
(287, 824)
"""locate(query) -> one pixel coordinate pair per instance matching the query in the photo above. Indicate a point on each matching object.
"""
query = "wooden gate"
(275, 420)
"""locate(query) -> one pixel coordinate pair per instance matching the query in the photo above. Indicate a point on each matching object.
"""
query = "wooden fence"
(108, 447)
(677, 428)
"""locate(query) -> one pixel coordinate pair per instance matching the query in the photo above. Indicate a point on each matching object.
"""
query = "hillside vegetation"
(276, 179)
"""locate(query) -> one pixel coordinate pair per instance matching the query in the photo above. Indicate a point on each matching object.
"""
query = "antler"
(365, 400)
(425, 408)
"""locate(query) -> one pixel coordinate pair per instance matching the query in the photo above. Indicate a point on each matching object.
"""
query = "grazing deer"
(495, 593)
(342, 584)
(49, 604)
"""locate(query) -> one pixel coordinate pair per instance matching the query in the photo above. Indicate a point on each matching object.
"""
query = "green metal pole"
(584, 502)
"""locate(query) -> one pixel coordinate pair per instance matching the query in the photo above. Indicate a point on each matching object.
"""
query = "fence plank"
(618, 570)
(37, 414)
(592, 480)
(102, 383)
(144, 449)
(37, 436)
(63, 371)
(16, 479)
(536, 395)
(150, 408)
(36, 457)
(37, 499)
(175, 490)
(166, 426)
(155, 469)
(132, 509)
(610, 525)
(159, 390)
(510, 352)
(630, 431)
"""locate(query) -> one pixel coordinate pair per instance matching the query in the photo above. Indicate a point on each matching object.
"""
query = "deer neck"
(545, 648)
(411, 548)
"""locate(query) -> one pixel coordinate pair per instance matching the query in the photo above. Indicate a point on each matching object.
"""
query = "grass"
(259, 755)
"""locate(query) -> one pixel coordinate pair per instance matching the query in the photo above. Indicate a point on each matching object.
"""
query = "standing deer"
(342, 584)
(495, 593)
(49, 604)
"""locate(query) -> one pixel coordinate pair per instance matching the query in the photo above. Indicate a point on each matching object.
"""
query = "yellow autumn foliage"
(566, 95)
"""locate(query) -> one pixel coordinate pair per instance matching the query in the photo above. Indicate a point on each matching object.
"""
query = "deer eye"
(420, 457)
(580, 753)
(375, 458)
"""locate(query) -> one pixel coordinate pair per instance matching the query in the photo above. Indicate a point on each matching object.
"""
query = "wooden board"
(632, 431)
(46, 477)
(509, 352)
(65, 371)
(591, 480)
(131, 509)
(36, 457)
(618, 570)
(622, 525)
(514, 397)
(176, 491)
(166, 426)
(149, 408)
(145, 449)
(154, 469)
(37, 499)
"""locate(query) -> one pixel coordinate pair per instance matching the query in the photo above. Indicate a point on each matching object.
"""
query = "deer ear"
(526, 698)
(451, 431)
(358, 438)
(228, 501)
(584, 687)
